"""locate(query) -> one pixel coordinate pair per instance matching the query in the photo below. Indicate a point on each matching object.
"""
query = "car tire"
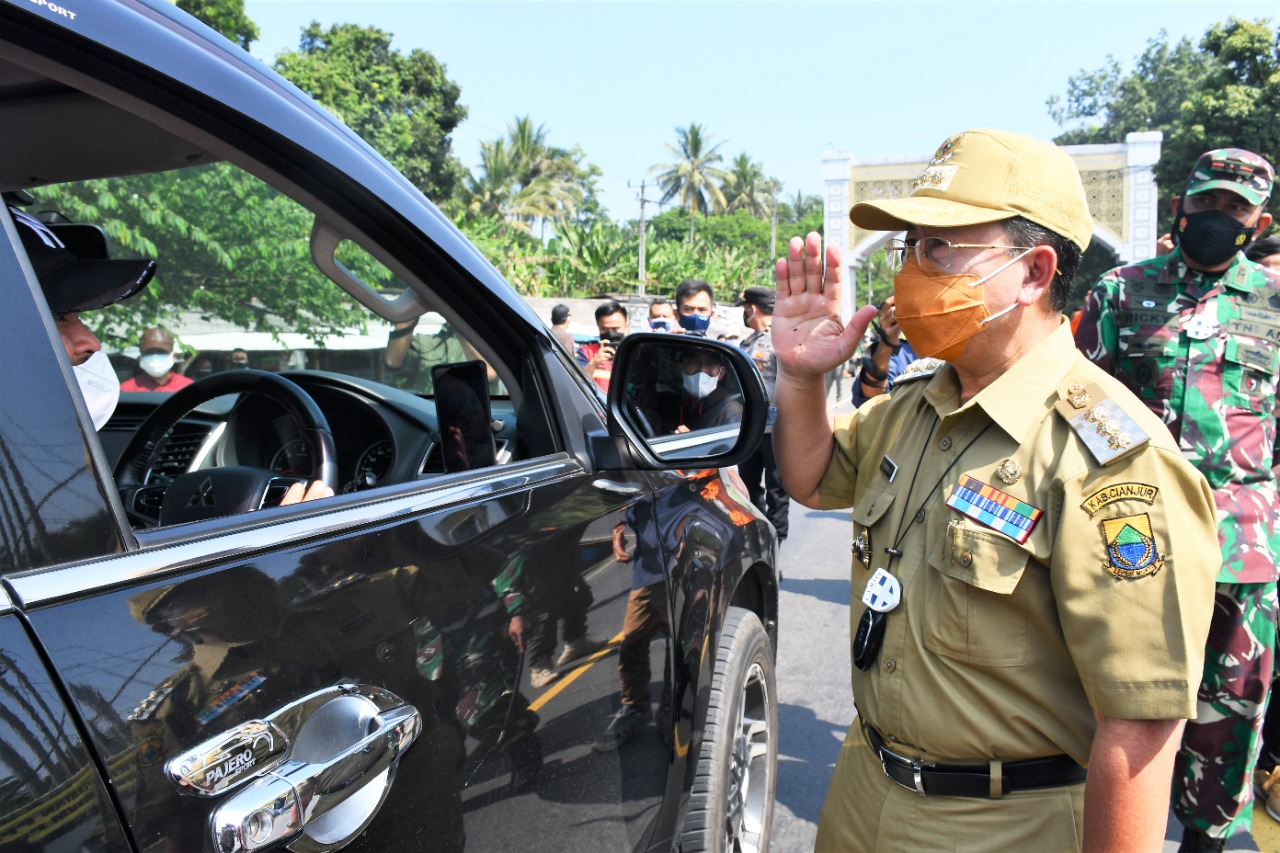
(731, 803)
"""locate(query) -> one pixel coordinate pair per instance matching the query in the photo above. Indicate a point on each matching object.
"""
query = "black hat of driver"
(72, 284)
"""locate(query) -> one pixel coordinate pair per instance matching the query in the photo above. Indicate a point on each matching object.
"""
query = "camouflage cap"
(1235, 169)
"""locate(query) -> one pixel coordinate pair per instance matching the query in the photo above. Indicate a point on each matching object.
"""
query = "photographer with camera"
(597, 358)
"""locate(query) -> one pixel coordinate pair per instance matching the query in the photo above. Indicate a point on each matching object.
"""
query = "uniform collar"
(1009, 401)
(1237, 276)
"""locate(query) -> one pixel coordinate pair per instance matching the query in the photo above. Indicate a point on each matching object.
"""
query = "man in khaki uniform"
(1034, 559)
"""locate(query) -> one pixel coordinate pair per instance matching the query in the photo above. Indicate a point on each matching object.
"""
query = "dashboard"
(382, 435)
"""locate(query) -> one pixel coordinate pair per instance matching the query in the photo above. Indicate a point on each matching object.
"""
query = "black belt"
(973, 780)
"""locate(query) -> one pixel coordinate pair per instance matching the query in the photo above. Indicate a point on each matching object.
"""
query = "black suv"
(529, 617)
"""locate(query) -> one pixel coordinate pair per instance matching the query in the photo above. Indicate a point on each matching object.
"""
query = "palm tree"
(694, 176)
(802, 205)
(522, 180)
(746, 188)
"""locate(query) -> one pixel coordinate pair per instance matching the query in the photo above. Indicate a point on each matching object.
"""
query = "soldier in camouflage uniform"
(1196, 335)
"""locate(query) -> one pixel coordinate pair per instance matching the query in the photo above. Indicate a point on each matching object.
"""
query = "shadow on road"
(802, 783)
(832, 591)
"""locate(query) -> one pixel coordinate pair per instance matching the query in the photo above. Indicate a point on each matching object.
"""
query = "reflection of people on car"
(155, 364)
(707, 400)
(73, 285)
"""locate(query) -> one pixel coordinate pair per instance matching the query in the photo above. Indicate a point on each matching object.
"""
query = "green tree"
(402, 105)
(522, 180)
(226, 16)
(1225, 92)
(694, 178)
(226, 244)
(746, 188)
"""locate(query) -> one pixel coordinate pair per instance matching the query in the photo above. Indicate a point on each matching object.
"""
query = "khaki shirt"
(1005, 651)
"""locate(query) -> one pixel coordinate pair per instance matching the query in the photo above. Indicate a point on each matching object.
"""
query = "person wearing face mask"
(695, 306)
(73, 285)
(156, 365)
(1033, 559)
(708, 400)
(1196, 335)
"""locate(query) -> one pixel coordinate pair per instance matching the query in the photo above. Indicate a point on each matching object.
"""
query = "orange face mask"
(939, 311)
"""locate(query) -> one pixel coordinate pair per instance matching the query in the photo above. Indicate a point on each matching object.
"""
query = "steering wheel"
(215, 492)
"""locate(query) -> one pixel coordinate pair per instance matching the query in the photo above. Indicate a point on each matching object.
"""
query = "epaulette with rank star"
(1105, 428)
(918, 369)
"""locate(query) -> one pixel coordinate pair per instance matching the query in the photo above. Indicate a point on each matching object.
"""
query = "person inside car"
(73, 285)
(706, 401)
(155, 365)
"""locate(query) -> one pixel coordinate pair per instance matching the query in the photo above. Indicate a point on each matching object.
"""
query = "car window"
(236, 285)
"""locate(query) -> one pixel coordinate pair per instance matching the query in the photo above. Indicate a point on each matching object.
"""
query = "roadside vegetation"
(531, 205)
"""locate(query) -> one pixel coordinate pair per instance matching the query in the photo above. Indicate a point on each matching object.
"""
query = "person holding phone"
(596, 359)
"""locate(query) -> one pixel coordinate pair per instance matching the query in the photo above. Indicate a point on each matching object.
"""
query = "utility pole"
(773, 227)
(643, 202)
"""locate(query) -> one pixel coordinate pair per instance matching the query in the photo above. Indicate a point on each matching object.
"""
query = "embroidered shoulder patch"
(918, 369)
(1119, 492)
(1131, 547)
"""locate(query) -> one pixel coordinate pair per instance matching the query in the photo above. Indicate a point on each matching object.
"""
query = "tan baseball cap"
(981, 176)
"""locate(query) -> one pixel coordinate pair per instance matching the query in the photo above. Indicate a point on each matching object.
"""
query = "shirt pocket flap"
(873, 505)
(1258, 355)
(981, 558)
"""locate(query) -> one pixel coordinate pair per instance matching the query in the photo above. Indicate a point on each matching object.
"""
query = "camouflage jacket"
(1202, 351)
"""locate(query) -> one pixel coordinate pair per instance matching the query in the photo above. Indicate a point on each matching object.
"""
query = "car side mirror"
(683, 401)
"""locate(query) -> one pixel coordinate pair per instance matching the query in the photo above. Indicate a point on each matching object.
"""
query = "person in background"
(760, 471)
(156, 364)
(1194, 334)
(662, 316)
(1015, 513)
(1266, 778)
(239, 359)
(695, 306)
(560, 317)
(888, 356)
(1265, 252)
(596, 359)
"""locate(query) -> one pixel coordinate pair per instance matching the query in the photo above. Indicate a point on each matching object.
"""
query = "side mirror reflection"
(687, 398)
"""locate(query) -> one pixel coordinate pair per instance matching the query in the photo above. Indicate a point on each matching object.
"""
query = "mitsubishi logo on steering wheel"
(204, 494)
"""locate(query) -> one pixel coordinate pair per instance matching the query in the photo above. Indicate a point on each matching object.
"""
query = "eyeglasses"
(938, 251)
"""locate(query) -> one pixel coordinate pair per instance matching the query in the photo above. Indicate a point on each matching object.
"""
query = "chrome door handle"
(339, 770)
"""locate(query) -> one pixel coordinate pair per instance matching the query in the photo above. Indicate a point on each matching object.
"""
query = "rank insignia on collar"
(1131, 547)
(1009, 471)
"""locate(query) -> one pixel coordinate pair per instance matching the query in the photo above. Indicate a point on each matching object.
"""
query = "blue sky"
(781, 81)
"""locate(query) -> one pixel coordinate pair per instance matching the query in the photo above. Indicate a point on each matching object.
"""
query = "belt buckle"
(915, 764)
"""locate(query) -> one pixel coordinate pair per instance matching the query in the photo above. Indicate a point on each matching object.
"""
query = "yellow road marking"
(564, 681)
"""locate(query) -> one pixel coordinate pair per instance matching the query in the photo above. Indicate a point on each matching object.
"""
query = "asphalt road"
(816, 702)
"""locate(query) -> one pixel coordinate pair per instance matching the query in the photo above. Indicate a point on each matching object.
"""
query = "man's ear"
(1175, 204)
(1040, 273)
(1264, 222)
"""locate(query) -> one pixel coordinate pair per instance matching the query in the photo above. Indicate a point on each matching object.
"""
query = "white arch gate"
(1118, 182)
